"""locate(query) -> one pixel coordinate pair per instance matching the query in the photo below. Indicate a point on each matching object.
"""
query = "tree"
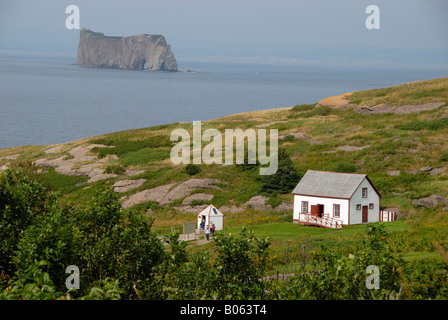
(240, 266)
(121, 246)
(286, 177)
(338, 276)
(23, 202)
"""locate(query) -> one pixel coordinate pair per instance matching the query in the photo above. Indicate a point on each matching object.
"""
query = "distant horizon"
(411, 31)
(260, 60)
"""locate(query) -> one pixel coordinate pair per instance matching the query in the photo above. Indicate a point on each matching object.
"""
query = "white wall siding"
(217, 221)
(372, 197)
(328, 206)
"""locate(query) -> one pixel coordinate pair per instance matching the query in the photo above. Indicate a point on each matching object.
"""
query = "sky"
(413, 31)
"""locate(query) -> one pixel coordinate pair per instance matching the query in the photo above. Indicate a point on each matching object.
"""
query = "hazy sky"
(410, 30)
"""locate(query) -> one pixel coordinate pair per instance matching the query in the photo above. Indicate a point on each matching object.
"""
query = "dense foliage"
(120, 257)
(286, 177)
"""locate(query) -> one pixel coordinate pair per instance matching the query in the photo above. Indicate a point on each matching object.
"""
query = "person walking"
(207, 233)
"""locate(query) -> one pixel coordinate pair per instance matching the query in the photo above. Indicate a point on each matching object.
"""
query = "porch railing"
(324, 221)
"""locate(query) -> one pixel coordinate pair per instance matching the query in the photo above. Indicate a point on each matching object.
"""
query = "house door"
(365, 214)
(317, 210)
(321, 210)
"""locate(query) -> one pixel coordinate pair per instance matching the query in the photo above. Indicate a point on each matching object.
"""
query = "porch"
(324, 221)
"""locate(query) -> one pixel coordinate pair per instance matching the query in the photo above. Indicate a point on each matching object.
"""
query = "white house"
(211, 215)
(335, 199)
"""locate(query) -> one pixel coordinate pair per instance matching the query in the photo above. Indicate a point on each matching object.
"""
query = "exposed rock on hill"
(198, 197)
(339, 101)
(431, 201)
(166, 194)
(127, 185)
(75, 164)
(139, 52)
(259, 203)
(405, 109)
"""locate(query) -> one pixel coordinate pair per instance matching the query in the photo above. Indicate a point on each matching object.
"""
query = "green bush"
(443, 156)
(114, 169)
(336, 276)
(303, 107)
(285, 179)
(345, 167)
(241, 263)
(195, 203)
(23, 203)
(121, 257)
(274, 201)
(192, 169)
(319, 111)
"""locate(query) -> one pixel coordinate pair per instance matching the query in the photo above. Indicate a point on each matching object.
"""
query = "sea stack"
(140, 52)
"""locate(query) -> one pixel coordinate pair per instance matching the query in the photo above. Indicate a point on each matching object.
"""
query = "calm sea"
(45, 99)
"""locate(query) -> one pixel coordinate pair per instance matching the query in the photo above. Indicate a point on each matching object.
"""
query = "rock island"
(140, 52)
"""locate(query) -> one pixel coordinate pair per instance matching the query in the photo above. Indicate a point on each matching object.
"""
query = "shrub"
(241, 263)
(274, 201)
(23, 202)
(345, 167)
(286, 177)
(288, 138)
(337, 276)
(196, 202)
(303, 107)
(443, 156)
(192, 169)
(320, 111)
(115, 169)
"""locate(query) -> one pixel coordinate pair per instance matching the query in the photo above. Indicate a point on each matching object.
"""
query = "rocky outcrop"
(405, 109)
(431, 201)
(340, 101)
(141, 52)
(259, 203)
(127, 185)
(198, 197)
(75, 164)
(168, 193)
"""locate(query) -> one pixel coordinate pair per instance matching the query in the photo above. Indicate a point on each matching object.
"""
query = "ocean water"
(45, 99)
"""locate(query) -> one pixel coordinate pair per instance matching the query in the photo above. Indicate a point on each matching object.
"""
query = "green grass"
(389, 139)
(435, 124)
(144, 156)
(303, 107)
(411, 93)
(61, 182)
(122, 143)
(288, 230)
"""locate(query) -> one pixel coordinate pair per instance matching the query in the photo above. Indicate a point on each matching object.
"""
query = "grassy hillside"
(406, 94)
(393, 149)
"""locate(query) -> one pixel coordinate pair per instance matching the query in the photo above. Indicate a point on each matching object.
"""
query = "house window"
(358, 207)
(364, 192)
(304, 206)
(336, 210)
(370, 205)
